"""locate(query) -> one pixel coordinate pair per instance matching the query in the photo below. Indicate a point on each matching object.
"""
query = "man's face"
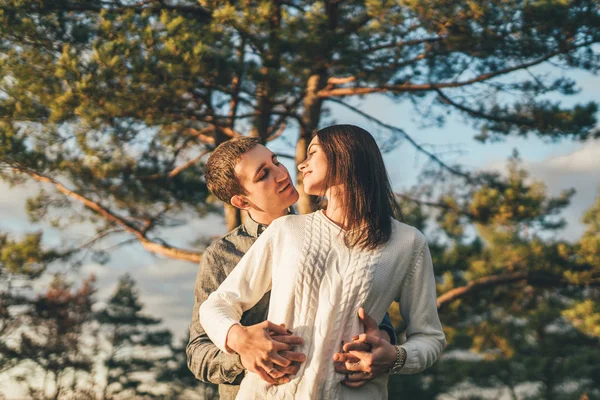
(267, 182)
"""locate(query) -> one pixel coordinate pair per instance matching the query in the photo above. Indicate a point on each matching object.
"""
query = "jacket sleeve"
(204, 359)
(386, 325)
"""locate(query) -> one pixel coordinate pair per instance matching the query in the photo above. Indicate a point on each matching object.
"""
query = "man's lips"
(286, 186)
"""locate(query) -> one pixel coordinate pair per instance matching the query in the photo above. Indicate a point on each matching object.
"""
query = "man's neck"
(266, 218)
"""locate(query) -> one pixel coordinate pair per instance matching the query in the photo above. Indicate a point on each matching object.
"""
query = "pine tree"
(52, 340)
(520, 303)
(136, 348)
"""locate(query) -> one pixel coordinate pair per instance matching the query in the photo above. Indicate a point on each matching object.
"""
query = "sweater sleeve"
(425, 337)
(240, 291)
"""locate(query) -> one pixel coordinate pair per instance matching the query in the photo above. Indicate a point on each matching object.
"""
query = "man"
(247, 175)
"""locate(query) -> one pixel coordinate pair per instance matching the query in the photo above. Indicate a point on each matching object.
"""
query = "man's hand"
(259, 347)
(367, 356)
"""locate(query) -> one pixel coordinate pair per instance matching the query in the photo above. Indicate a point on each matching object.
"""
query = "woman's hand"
(367, 356)
(259, 347)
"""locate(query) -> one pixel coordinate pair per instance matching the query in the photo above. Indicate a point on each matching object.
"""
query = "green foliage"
(51, 337)
(111, 105)
(133, 346)
(530, 313)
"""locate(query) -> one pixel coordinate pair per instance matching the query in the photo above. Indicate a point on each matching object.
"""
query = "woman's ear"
(239, 202)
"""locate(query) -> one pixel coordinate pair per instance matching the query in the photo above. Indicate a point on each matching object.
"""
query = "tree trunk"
(233, 216)
(310, 122)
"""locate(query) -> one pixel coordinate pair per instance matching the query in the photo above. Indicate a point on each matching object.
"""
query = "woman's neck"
(334, 210)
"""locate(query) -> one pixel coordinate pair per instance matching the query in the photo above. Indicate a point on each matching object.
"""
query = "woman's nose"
(301, 166)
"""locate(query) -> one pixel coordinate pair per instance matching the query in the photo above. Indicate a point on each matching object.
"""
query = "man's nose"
(282, 174)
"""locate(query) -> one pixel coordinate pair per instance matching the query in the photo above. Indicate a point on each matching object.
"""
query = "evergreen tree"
(52, 340)
(182, 384)
(136, 348)
(113, 105)
(521, 304)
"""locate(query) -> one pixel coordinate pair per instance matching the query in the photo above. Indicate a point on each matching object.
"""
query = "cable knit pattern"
(317, 285)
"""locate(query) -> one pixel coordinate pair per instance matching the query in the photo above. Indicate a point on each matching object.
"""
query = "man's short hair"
(219, 171)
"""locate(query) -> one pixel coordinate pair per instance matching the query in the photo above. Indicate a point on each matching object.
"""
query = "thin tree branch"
(532, 278)
(157, 8)
(152, 246)
(482, 115)
(405, 43)
(278, 133)
(400, 131)
(175, 171)
(443, 206)
(408, 87)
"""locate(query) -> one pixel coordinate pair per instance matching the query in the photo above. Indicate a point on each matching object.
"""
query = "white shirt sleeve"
(425, 337)
(240, 291)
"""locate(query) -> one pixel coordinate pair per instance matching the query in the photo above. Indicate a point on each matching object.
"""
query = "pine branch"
(176, 171)
(417, 146)
(403, 43)
(152, 246)
(408, 87)
(443, 206)
(155, 7)
(532, 278)
(482, 115)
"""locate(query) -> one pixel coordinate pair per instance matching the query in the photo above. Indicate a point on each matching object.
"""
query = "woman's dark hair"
(354, 159)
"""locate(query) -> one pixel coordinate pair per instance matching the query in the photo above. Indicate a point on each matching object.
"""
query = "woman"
(323, 266)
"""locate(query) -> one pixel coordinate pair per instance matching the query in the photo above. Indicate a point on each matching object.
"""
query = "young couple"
(324, 277)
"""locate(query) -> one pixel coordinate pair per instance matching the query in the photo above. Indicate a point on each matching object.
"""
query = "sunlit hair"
(354, 160)
(219, 171)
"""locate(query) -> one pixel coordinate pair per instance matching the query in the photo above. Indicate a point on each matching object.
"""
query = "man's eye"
(276, 162)
(263, 176)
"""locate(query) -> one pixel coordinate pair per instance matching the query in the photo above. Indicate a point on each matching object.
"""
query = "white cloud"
(580, 170)
(585, 160)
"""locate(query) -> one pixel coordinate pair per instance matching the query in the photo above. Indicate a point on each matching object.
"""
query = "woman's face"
(314, 169)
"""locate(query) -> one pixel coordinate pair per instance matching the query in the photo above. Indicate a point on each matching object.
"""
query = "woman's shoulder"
(287, 222)
(407, 234)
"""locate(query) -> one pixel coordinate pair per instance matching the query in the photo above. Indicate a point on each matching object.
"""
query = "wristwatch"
(400, 360)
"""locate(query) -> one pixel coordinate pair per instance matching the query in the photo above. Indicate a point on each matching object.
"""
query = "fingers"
(364, 338)
(369, 323)
(264, 376)
(288, 339)
(342, 367)
(278, 329)
(357, 346)
(292, 369)
(343, 357)
(293, 356)
(353, 366)
(276, 372)
(279, 360)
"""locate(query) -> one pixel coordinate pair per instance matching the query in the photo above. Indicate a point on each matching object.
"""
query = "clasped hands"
(267, 350)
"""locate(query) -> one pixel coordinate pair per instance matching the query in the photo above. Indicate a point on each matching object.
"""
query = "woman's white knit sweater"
(317, 285)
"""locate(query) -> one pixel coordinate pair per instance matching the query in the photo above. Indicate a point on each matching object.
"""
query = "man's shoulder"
(234, 239)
